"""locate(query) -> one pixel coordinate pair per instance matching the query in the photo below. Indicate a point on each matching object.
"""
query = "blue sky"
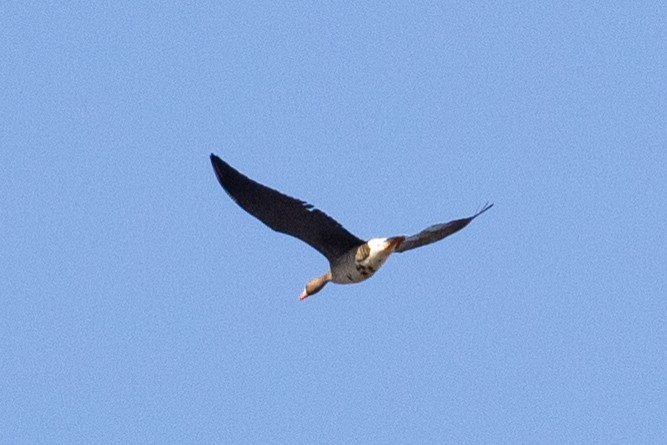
(141, 305)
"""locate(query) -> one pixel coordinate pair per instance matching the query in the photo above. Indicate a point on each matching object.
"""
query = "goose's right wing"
(438, 231)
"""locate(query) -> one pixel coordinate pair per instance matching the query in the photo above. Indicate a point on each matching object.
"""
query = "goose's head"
(315, 285)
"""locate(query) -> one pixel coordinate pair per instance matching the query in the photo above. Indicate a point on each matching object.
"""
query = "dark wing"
(438, 232)
(285, 214)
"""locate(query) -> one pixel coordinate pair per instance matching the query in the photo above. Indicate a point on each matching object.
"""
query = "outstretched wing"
(285, 214)
(438, 232)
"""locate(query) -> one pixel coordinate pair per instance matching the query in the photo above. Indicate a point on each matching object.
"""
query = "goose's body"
(351, 259)
(362, 262)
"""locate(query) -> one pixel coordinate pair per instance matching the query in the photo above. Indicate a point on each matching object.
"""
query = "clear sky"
(141, 305)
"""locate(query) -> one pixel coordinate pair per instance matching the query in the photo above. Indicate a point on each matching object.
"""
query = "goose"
(351, 259)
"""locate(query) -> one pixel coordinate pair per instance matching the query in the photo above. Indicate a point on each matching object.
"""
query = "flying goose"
(351, 259)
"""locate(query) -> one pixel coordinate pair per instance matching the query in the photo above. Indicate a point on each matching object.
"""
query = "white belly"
(349, 271)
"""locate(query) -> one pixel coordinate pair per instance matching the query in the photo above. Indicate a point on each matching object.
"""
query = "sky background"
(141, 305)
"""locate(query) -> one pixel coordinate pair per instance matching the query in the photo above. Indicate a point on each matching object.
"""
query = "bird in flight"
(351, 259)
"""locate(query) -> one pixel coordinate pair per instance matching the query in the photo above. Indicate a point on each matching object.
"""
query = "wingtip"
(215, 161)
(486, 207)
(218, 164)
